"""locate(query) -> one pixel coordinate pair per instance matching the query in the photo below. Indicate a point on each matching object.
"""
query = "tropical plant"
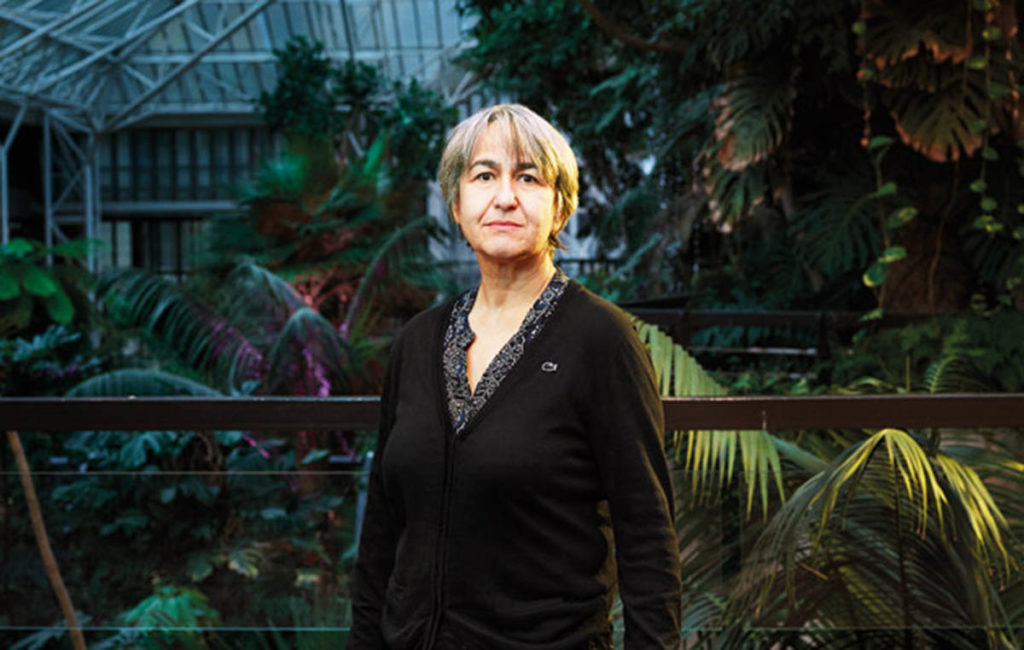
(342, 248)
(29, 287)
(48, 363)
(862, 152)
(844, 550)
(248, 333)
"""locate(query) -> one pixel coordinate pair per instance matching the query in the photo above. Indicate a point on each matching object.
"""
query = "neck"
(511, 285)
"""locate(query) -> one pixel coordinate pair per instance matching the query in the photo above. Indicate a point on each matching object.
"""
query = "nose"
(505, 197)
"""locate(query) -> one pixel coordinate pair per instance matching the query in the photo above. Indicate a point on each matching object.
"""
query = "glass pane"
(218, 535)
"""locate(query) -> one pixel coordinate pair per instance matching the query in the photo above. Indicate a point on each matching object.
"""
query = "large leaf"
(35, 280)
(373, 270)
(16, 314)
(836, 228)
(9, 287)
(257, 302)
(18, 247)
(307, 357)
(59, 307)
(732, 194)
(938, 123)
(754, 113)
(140, 383)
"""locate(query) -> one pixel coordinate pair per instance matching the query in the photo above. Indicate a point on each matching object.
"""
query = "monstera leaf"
(754, 115)
(942, 124)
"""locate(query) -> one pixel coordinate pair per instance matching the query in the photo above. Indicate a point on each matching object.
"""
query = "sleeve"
(379, 538)
(628, 439)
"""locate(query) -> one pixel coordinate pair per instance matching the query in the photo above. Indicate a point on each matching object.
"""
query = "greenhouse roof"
(103, 64)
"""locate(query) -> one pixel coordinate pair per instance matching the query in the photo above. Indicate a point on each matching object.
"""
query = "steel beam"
(5, 190)
(187, 65)
(48, 184)
(89, 195)
(47, 30)
(268, 56)
(128, 39)
(5, 229)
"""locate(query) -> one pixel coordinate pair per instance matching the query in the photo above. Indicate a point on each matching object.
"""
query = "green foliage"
(346, 249)
(743, 110)
(318, 215)
(308, 91)
(847, 550)
(28, 285)
(172, 606)
(346, 106)
(981, 353)
(885, 512)
(707, 454)
(47, 363)
(185, 529)
(251, 333)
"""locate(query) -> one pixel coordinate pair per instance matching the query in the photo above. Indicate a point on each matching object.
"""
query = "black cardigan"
(503, 534)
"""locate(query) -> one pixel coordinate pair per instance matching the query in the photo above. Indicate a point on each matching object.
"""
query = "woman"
(521, 431)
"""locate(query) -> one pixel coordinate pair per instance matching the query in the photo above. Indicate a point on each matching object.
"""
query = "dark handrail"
(959, 410)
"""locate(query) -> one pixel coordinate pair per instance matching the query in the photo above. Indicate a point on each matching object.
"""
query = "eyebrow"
(487, 162)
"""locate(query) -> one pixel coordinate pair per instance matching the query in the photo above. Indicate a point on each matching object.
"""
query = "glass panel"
(204, 181)
(104, 162)
(221, 163)
(164, 165)
(237, 529)
(142, 164)
(218, 535)
(183, 164)
(124, 164)
(123, 233)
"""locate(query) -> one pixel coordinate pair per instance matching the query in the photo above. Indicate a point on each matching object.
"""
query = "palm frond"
(256, 302)
(987, 521)
(857, 547)
(710, 456)
(203, 339)
(140, 382)
(953, 373)
(906, 460)
(373, 272)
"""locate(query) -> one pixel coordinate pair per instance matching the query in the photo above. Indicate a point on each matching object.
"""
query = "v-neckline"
(511, 377)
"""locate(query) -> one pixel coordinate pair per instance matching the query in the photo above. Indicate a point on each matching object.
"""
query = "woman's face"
(506, 209)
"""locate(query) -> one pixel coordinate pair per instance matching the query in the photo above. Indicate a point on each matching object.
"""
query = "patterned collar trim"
(463, 404)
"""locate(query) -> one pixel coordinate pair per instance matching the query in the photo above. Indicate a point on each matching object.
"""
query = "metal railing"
(775, 413)
(60, 415)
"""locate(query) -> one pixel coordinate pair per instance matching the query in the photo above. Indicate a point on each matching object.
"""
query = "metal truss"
(87, 68)
(114, 62)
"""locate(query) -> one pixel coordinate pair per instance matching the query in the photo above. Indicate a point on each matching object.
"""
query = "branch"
(49, 561)
(620, 34)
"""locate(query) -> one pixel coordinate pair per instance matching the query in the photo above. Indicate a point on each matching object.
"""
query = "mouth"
(502, 225)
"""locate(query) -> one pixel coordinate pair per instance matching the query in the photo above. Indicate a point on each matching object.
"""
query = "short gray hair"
(528, 133)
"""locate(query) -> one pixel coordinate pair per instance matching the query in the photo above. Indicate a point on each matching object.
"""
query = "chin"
(507, 255)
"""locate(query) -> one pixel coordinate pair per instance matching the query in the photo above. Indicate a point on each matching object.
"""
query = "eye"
(485, 176)
(528, 178)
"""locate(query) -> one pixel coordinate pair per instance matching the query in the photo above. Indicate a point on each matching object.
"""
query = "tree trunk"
(39, 528)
